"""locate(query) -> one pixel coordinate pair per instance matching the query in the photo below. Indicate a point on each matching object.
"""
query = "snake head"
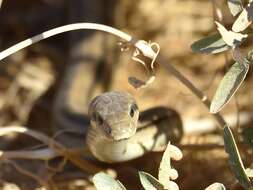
(115, 115)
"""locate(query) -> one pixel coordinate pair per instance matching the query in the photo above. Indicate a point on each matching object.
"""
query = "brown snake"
(115, 134)
(117, 131)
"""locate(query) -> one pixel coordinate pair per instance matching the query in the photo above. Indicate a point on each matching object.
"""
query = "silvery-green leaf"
(235, 161)
(103, 181)
(244, 19)
(166, 173)
(216, 186)
(211, 44)
(249, 172)
(229, 85)
(235, 6)
(149, 182)
(231, 38)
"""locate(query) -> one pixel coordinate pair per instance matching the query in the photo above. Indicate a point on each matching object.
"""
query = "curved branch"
(63, 29)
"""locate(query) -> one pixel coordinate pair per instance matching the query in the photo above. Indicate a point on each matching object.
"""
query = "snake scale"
(118, 131)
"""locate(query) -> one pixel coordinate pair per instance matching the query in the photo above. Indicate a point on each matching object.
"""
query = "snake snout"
(122, 130)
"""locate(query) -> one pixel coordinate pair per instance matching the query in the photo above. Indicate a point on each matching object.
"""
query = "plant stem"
(63, 29)
(171, 69)
(93, 26)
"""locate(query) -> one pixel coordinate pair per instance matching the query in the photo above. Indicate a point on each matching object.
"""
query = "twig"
(237, 107)
(28, 173)
(57, 147)
(199, 94)
(200, 147)
(141, 45)
(62, 29)
(43, 154)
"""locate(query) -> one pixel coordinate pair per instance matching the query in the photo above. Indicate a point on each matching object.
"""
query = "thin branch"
(198, 93)
(63, 29)
(57, 147)
(29, 174)
(141, 45)
(200, 147)
(43, 154)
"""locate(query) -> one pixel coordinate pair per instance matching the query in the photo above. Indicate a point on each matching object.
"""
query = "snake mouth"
(121, 132)
(118, 131)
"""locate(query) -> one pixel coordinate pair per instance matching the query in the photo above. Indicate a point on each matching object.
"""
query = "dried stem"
(55, 146)
(29, 174)
(144, 48)
(43, 154)
(198, 93)
(62, 29)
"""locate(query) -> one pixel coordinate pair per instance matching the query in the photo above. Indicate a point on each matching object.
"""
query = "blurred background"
(32, 80)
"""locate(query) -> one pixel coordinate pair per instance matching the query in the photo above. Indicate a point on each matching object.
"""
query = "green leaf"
(229, 85)
(149, 182)
(235, 161)
(235, 6)
(216, 186)
(211, 44)
(103, 181)
(244, 19)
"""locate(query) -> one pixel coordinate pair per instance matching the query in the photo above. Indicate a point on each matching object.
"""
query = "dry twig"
(55, 147)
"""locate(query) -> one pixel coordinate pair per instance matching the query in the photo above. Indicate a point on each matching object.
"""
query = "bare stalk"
(56, 146)
(63, 29)
(43, 154)
(145, 48)
(198, 93)
(29, 174)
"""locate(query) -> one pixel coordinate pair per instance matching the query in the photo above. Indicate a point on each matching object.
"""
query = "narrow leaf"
(103, 181)
(216, 186)
(229, 85)
(166, 173)
(211, 44)
(244, 19)
(149, 182)
(235, 161)
(235, 6)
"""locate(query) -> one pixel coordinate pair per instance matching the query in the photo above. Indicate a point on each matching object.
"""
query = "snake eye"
(133, 108)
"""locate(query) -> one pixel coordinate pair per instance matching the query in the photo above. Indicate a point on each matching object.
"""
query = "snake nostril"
(107, 129)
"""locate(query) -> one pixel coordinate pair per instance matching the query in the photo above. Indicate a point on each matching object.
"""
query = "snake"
(118, 131)
(110, 123)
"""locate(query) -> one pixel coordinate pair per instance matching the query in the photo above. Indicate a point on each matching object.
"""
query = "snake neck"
(110, 151)
(104, 149)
